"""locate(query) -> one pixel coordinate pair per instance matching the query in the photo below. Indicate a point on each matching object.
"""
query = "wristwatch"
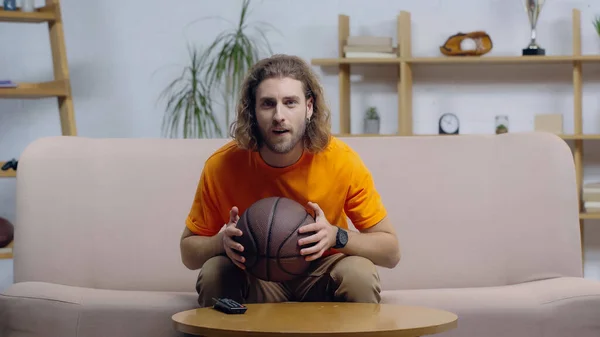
(341, 238)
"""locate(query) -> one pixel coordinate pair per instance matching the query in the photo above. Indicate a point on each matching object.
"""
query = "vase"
(372, 126)
(28, 5)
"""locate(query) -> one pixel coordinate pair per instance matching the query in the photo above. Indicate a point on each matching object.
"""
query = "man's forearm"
(196, 250)
(379, 247)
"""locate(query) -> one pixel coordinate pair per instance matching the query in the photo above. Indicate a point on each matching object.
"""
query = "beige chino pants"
(334, 278)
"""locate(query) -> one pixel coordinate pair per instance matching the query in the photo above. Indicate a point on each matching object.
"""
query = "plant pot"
(372, 126)
(501, 124)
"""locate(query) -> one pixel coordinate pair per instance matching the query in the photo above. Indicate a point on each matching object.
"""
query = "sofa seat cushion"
(44, 309)
(546, 308)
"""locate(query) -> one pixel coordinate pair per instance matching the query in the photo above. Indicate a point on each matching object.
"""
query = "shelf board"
(502, 59)
(36, 90)
(548, 59)
(589, 216)
(587, 58)
(7, 252)
(580, 137)
(43, 14)
(7, 174)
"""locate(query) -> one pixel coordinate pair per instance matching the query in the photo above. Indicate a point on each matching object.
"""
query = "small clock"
(448, 124)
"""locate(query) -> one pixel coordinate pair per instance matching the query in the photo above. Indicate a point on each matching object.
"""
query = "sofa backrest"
(470, 211)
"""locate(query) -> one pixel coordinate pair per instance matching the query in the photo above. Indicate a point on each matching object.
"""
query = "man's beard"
(284, 147)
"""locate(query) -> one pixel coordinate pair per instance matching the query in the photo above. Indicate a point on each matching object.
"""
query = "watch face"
(344, 237)
(449, 123)
(341, 239)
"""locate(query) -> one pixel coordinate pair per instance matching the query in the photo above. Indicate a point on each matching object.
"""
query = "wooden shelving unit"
(44, 14)
(405, 61)
(36, 90)
(59, 87)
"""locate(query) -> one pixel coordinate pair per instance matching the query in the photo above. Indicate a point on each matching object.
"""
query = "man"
(283, 147)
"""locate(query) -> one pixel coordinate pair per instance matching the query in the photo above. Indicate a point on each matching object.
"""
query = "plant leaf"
(218, 70)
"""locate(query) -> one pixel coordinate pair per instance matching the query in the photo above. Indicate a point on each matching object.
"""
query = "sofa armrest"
(38, 309)
(45, 309)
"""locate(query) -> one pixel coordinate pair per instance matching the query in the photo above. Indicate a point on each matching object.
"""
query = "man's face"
(281, 112)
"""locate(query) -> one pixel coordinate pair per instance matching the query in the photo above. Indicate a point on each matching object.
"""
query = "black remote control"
(229, 306)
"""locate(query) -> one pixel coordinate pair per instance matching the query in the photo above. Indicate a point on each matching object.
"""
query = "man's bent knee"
(357, 280)
(219, 278)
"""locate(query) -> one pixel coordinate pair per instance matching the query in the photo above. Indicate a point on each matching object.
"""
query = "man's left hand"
(323, 237)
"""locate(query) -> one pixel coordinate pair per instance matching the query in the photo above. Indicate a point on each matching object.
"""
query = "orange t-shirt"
(336, 179)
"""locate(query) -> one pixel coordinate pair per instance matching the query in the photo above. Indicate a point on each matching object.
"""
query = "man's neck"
(279, 159)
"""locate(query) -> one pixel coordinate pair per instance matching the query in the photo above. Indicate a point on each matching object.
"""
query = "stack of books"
(370, 46)
(591, 197)
(7, 84)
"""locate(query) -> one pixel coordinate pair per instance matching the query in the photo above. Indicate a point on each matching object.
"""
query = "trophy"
(533, 8)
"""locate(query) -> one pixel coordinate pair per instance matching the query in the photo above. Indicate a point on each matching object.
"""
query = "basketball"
(270, 239)
(7, 231)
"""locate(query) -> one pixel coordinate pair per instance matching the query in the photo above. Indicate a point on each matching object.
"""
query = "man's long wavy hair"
(245, 128)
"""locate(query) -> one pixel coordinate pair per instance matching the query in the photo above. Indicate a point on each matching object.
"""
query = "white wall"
(121, 55)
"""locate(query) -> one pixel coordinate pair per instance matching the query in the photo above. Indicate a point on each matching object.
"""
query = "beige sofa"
(488, 227)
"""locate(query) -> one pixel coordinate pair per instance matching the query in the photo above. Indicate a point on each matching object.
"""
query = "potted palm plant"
(596, 23)
(372, 121)
(208, 86)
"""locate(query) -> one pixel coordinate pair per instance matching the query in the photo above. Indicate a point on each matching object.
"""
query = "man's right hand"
(232, 248)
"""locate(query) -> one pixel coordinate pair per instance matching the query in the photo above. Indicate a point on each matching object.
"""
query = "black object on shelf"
(12, 164)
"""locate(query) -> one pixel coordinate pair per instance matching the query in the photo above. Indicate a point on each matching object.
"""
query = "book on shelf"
(7, 84)
(369, 47)
(592, 206)
(366, 54)
(359, 40)
(590, 196)
(591, 192)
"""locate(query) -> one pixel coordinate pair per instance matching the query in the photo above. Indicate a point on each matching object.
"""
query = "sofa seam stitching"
(570, 297)
(39, 298)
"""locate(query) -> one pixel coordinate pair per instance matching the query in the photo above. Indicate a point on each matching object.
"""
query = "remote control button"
(233, 303)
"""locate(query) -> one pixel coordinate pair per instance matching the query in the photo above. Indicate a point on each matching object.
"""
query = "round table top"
(313, 318)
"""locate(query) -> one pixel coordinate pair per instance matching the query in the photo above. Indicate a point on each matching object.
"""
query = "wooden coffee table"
(317, 319)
